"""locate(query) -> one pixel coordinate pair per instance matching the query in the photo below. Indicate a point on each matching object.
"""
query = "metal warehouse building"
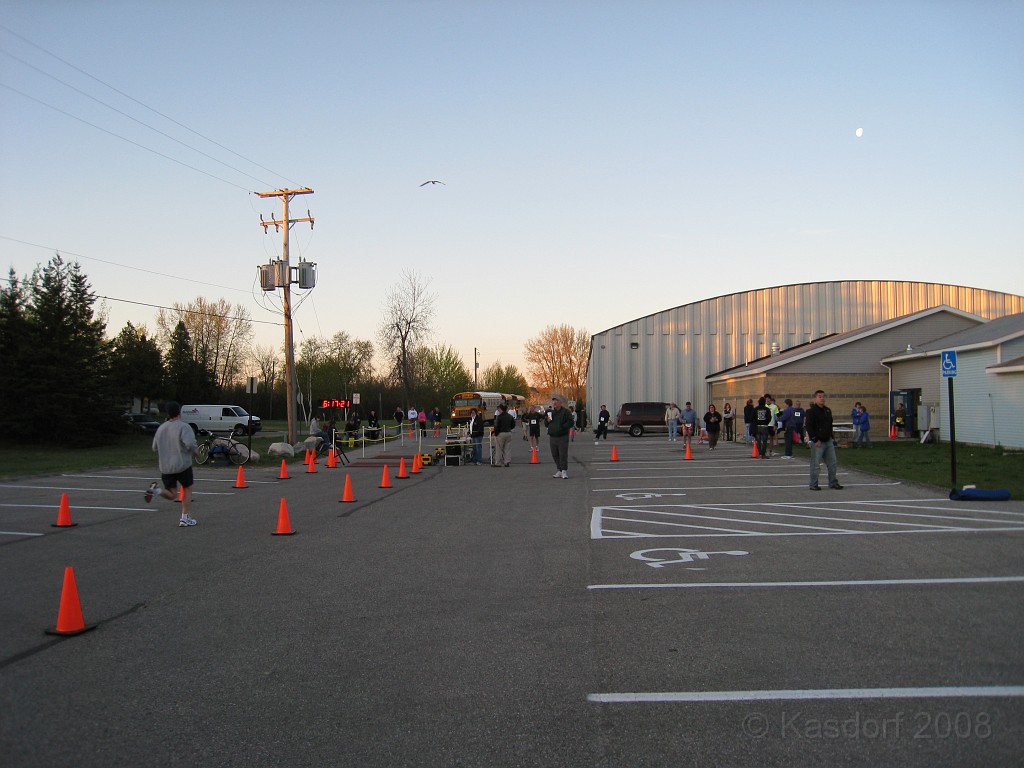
(668, 355)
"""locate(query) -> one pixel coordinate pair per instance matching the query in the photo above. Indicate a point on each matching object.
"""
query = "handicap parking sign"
(949, 363)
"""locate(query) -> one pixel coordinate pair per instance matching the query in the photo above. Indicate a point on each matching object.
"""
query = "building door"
(909, 399)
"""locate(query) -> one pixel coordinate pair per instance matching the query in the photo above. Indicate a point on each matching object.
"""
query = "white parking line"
(844, 583)
(942, 692)
(20, 533)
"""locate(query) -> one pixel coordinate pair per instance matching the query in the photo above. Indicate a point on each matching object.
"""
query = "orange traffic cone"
(385, 478)
(417, 464)
(284, 525)
(892, 432)
(64, 514)
(181, 494)
(69, 616)
(689, 453)
(332, 459)
(403, 474)
(615, 454)
(311, 467)
(346, 495)
(754, 454)
(240, 479)
(284, 471)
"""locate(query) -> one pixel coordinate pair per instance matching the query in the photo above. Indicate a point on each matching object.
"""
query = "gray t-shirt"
(174, 443)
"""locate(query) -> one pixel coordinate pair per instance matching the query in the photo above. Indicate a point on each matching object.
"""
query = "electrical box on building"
(307, 274)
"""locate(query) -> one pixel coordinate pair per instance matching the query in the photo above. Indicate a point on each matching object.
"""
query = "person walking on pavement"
(689, 419)
(713, 425)
(560, 423)
(823, 444)
(175, 445)
(762, 418)
(504, 425)
(603, 418)
(749, 421)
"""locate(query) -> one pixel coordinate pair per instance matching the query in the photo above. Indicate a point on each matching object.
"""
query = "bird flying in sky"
(433, 181)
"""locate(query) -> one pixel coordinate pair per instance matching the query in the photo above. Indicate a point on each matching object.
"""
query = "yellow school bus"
(484, 402)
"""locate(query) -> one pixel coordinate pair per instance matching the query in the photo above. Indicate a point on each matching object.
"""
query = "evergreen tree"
(13, 337)
(139, 365)
(65, 356)
(186, 379)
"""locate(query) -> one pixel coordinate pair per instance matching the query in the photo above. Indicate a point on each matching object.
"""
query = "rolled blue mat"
(979, 494)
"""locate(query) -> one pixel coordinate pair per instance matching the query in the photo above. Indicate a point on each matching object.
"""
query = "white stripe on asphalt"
(860, 583)
(944, 692)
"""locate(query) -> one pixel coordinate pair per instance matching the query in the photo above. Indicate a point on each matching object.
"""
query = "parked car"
(143, 422)
(637, 418)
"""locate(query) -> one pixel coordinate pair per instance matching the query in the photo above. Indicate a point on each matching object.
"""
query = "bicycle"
(213, 446)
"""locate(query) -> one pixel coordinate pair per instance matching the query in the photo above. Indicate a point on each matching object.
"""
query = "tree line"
(56, 359)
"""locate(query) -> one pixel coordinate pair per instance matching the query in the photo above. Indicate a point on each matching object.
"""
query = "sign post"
(949, 373)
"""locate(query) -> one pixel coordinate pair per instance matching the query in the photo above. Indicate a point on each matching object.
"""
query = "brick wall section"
(842, 390)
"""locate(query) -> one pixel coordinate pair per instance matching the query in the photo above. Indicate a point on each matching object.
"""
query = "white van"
(220, 418)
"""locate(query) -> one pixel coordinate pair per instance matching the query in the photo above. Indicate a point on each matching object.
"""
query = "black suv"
(637, 418)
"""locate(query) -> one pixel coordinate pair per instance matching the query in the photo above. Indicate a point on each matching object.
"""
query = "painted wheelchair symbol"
(659, 558)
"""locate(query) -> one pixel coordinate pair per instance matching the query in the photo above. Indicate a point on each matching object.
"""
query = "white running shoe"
(185, 522)
(557, 474)
(565, 475)
(150, 492)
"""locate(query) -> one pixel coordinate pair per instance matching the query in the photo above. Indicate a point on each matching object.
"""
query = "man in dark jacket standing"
(504, 425)
(823, 444)
(559, 425)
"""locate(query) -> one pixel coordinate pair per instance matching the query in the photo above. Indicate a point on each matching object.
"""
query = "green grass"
(130, 450)
(930, 464)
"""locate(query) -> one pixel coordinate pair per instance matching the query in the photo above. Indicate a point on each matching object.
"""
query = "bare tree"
(406, 325)
(556, 359)
(267, 361)
(220, 334)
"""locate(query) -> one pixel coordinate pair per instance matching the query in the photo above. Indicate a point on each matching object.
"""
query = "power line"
(118, 136)
(142, 104)
(130, 117)
(123, 266)
(187, 311)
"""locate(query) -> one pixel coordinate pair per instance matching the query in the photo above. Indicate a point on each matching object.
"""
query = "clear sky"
(602, 160)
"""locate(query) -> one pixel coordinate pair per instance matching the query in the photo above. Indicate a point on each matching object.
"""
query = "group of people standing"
(560, 422)
(687, 423)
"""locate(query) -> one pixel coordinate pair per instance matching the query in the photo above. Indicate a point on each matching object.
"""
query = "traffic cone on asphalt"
(417, 464)
(346, 495)
(689, 453)
(892, 432)
(64, 514)
(403, 473)
(385, 478)
(240, 479)
(69, 616)
(754, 454)
(284, 471)
(332, 459)
(284, 524)
(533, 456)
(181, 494)
(311, 467)
(615, 454)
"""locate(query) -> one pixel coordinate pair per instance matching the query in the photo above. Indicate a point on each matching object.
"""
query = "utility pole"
(289, 346)
(476, 367)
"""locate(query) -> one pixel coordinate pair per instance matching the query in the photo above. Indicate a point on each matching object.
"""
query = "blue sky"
(602, 160)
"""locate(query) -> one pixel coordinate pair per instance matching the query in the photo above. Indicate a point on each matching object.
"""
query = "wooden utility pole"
(289, 346)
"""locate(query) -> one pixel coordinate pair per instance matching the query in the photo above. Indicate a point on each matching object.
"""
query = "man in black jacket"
(823, 444)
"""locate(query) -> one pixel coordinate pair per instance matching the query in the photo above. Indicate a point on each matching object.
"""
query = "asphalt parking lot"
(647, 611)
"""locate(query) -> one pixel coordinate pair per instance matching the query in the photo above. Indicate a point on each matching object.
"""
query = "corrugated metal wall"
(667, 355)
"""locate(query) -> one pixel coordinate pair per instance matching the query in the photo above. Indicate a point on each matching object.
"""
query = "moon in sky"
(859, 132)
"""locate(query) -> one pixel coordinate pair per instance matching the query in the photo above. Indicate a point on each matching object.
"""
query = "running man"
(175, 445)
